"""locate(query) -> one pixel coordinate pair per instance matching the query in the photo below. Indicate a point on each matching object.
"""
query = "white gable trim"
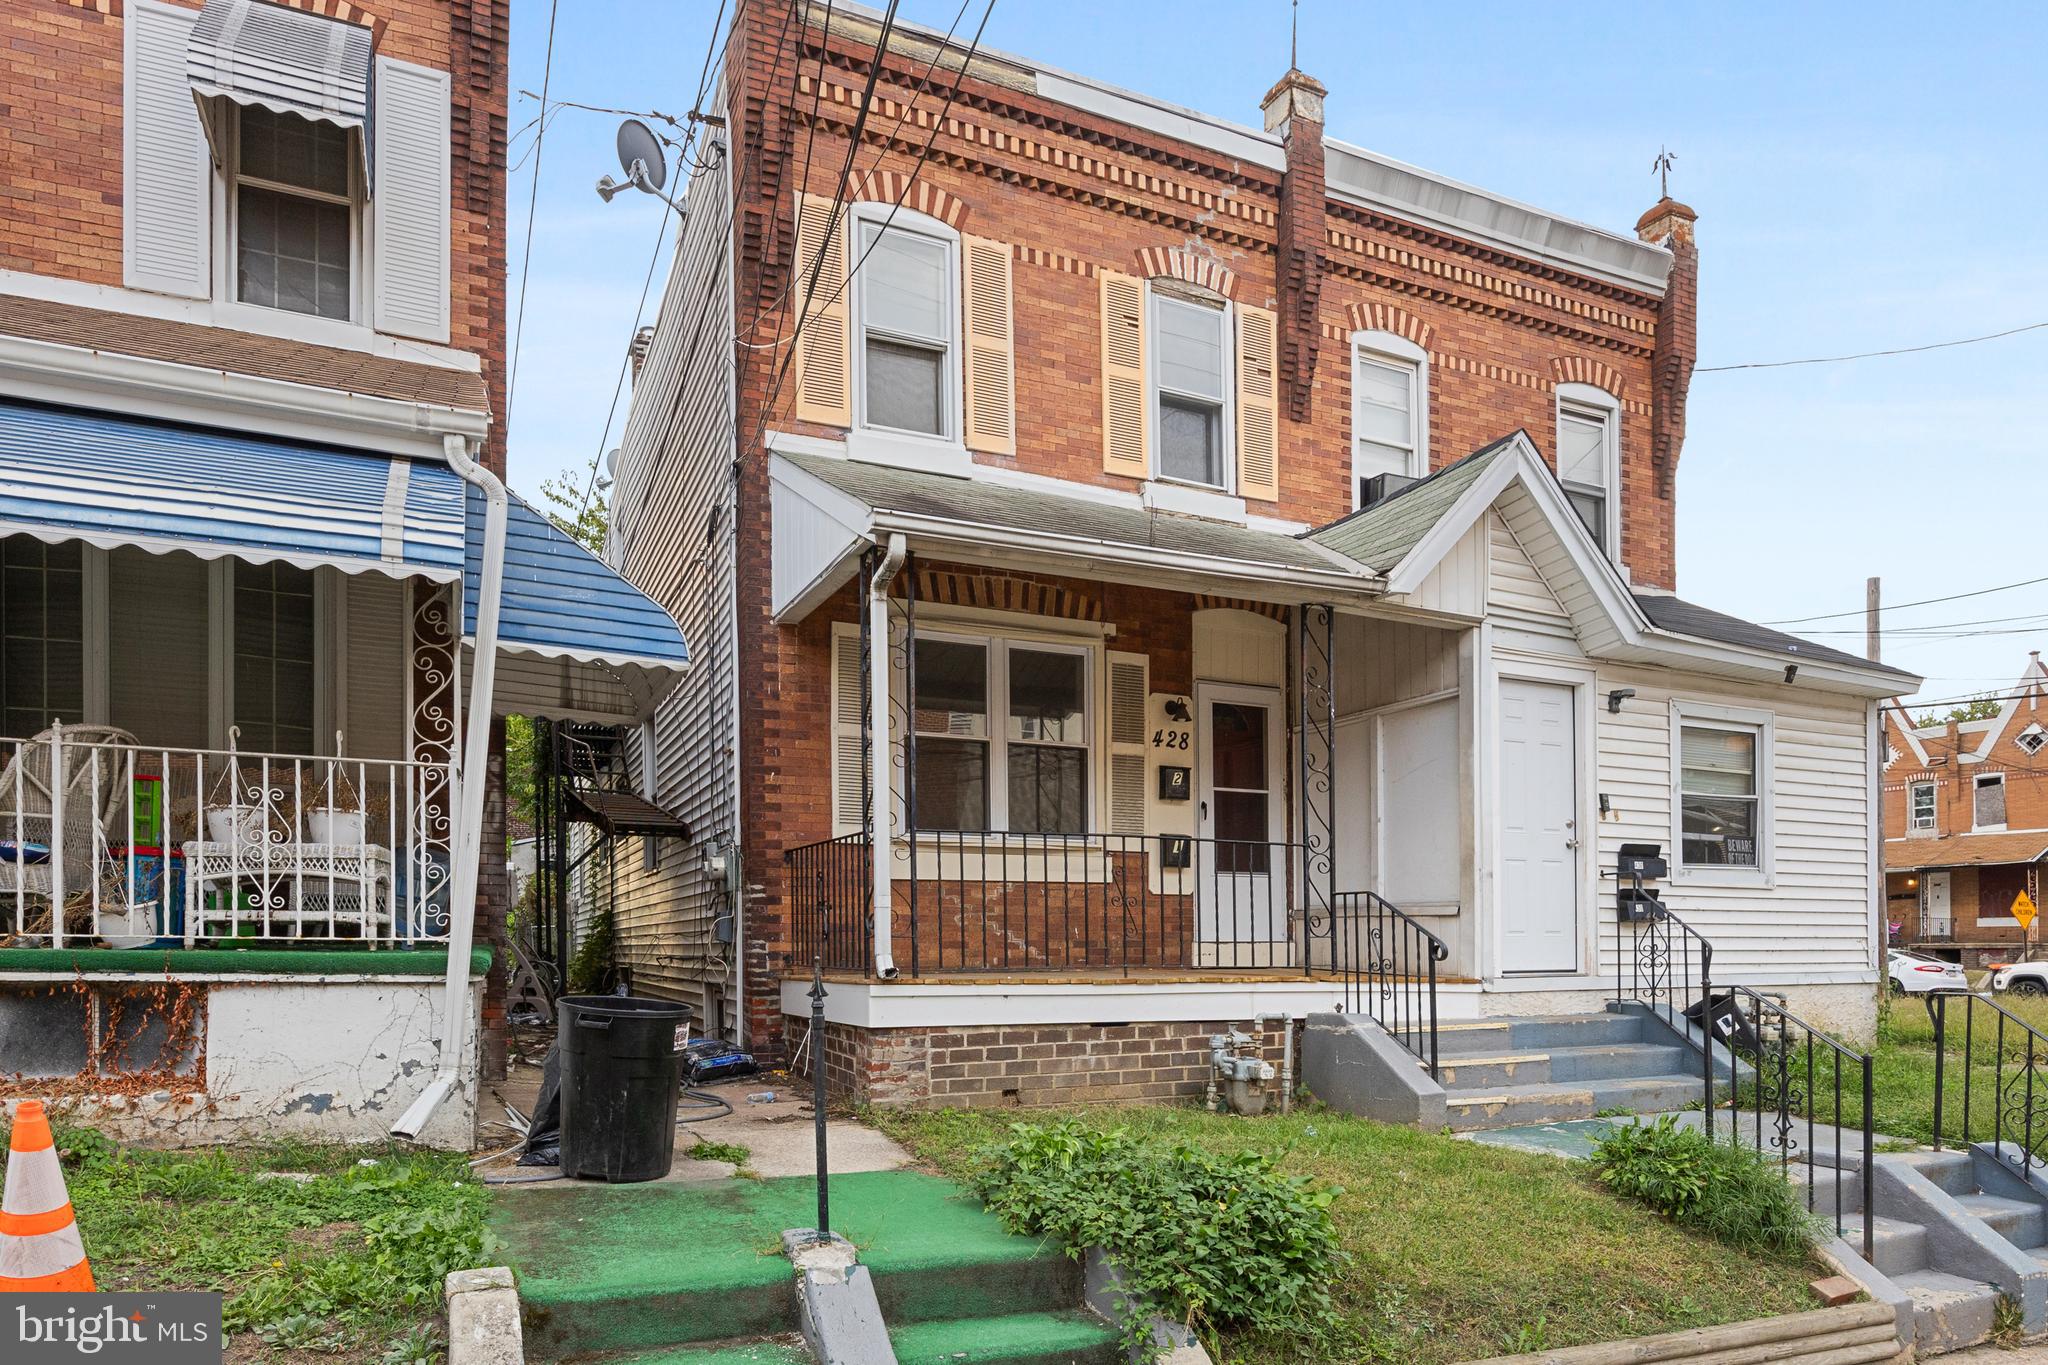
(1895, 717)
(2035, 675)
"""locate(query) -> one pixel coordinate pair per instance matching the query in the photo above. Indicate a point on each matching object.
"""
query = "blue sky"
(1867, 176)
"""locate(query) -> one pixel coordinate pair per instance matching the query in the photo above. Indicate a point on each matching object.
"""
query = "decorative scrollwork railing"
(1990, 1079)
(1796, 1095)
(1388, 961)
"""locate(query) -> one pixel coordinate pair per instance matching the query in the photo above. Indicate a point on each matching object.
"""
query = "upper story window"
(1191, 388)
(295, 209)
(1920, 807)
(1589, 459)
(1988, 797)
(907, 328)
(1389, 409)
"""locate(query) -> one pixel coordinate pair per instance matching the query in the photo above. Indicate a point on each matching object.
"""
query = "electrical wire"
(1901, 606)
(532, 200)
(1867, 355)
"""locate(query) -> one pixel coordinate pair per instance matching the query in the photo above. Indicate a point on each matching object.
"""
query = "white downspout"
(470, 784)
(878, 751)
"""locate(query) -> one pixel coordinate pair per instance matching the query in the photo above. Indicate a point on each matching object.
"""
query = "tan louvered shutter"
(991, 346)
(1123, 376)
(1128, 679)
(1258, 404)
(848, 788)
(824, 381)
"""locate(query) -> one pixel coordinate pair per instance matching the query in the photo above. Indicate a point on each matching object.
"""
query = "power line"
(1901, 606)
(1868, 355)
(532, 199)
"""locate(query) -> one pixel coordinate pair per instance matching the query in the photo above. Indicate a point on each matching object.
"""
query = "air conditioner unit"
(1380, 487)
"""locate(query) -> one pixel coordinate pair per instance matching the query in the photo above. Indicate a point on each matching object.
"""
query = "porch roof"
(576, 640)
(861, 500)
(1964, 850)
(110, 480)
(1382, 535)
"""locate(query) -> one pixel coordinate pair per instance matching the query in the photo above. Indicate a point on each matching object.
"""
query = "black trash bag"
(544, 1133)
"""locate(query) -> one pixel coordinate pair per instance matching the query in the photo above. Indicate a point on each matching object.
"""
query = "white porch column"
(881, 793)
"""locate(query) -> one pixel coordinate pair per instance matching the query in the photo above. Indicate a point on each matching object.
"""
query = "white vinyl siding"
(410, 201)
(166, 204)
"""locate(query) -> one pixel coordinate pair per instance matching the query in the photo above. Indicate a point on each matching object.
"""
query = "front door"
(1939, 920)
(1539, 856)
(1240, 853)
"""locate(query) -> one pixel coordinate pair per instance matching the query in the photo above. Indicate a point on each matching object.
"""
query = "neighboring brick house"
(252, 382)
(1057, 509)
(1966, 826)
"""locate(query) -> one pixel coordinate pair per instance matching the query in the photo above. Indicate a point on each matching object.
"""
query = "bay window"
(1031, 777)
(1190, 381)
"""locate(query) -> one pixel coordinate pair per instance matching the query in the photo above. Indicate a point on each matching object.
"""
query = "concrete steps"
(754, 1352)
(1503, 1073)
(1049, 1338)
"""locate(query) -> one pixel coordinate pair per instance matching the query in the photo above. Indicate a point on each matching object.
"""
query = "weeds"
(1722, 1189)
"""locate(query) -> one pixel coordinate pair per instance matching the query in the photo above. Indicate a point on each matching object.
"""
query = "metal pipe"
(469, 789)
(1286, 1022)
(878, 752)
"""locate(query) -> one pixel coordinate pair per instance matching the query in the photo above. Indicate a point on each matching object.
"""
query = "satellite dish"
(637, 144)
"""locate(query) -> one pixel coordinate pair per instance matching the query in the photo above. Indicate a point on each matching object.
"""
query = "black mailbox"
(1637, 864)
(1645, 861)
(1176, 851)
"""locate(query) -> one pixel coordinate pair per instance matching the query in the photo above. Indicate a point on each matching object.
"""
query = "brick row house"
(1966, 826)
(1147, 569)
(262, 594)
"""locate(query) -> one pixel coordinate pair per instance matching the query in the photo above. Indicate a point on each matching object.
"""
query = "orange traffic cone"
(40, 1251)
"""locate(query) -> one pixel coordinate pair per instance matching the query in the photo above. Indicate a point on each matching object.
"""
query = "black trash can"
(621, 1067)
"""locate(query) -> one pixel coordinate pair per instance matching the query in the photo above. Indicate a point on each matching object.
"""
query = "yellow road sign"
(2023, 910)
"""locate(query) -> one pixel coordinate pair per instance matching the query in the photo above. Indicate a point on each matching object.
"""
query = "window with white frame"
(1988, 808)
(1920, 806)
(295, 205)
(1191, 386)
(1003, 735)
(42, 634)
(1588, 459)
(1389, 409)
(2032, 739)
(906, 326)
(1720, 805)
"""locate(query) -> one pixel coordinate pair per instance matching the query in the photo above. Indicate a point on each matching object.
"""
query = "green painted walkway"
(619, 1267)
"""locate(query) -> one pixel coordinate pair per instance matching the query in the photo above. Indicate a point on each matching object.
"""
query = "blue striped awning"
(576, 640)
(71, 474)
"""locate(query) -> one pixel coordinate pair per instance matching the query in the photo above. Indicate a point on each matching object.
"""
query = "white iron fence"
(103, 839)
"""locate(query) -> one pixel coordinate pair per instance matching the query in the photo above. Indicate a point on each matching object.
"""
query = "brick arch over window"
(1271, 610)
(1154, 261)
(1386, 317)
(887, 187)
(1003, 592)
(1578, 369)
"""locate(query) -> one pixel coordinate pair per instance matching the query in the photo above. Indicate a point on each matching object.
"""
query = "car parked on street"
(2021, 978)
(1913, 974)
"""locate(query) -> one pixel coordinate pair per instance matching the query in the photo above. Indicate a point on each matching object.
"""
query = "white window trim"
(1591, 401)
(945, 454)
(1764, 725)
(1977, 783)
(227, 229)
(1227, 438)
(1913, 825)
(998, 643)
(1392, 348)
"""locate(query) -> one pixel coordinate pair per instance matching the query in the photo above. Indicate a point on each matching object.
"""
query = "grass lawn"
(1902, 1070)
(1459, 1250)
(343, 1261)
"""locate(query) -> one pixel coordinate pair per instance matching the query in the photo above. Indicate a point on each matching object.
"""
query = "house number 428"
(1172, 739)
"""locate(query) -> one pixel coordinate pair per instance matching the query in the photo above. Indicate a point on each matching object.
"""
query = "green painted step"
(628, 1267)
(1069, 1338)
(716, 1353)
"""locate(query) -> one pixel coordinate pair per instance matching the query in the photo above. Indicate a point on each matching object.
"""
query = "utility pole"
(1872, 632)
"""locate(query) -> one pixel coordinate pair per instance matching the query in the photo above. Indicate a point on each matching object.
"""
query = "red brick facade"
(1074, 193)
(61, 193)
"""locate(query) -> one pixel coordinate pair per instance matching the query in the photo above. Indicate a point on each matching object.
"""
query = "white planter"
(235, 825)
(335, 826)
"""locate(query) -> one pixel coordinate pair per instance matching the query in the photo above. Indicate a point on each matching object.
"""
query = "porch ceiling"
(1026, 527)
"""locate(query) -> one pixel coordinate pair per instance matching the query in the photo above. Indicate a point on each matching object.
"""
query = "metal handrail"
(2016, 1098)
(1797, 1072)
(1384, 980)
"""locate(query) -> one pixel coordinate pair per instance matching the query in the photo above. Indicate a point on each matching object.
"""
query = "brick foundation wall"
(1026, 1065)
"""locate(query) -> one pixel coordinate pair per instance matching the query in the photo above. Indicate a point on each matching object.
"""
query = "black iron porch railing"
(1388, 962)
(1990, 1079)
(1660, 960)
(831, 899)
(1799, 1096)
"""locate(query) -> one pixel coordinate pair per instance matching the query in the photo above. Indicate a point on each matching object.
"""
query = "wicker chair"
(92, 812)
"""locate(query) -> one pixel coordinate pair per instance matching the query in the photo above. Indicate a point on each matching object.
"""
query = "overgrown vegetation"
(1218, 1241)
(338, 1251)
(1902, 1067)
(1724, 1190)
(590, 966)
(1455, 1250)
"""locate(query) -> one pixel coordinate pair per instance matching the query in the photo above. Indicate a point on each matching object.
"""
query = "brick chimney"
(1669, 223)
(1294, 109)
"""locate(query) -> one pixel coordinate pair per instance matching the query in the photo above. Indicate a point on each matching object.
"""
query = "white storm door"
(1539, 837)
(1241, 854)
